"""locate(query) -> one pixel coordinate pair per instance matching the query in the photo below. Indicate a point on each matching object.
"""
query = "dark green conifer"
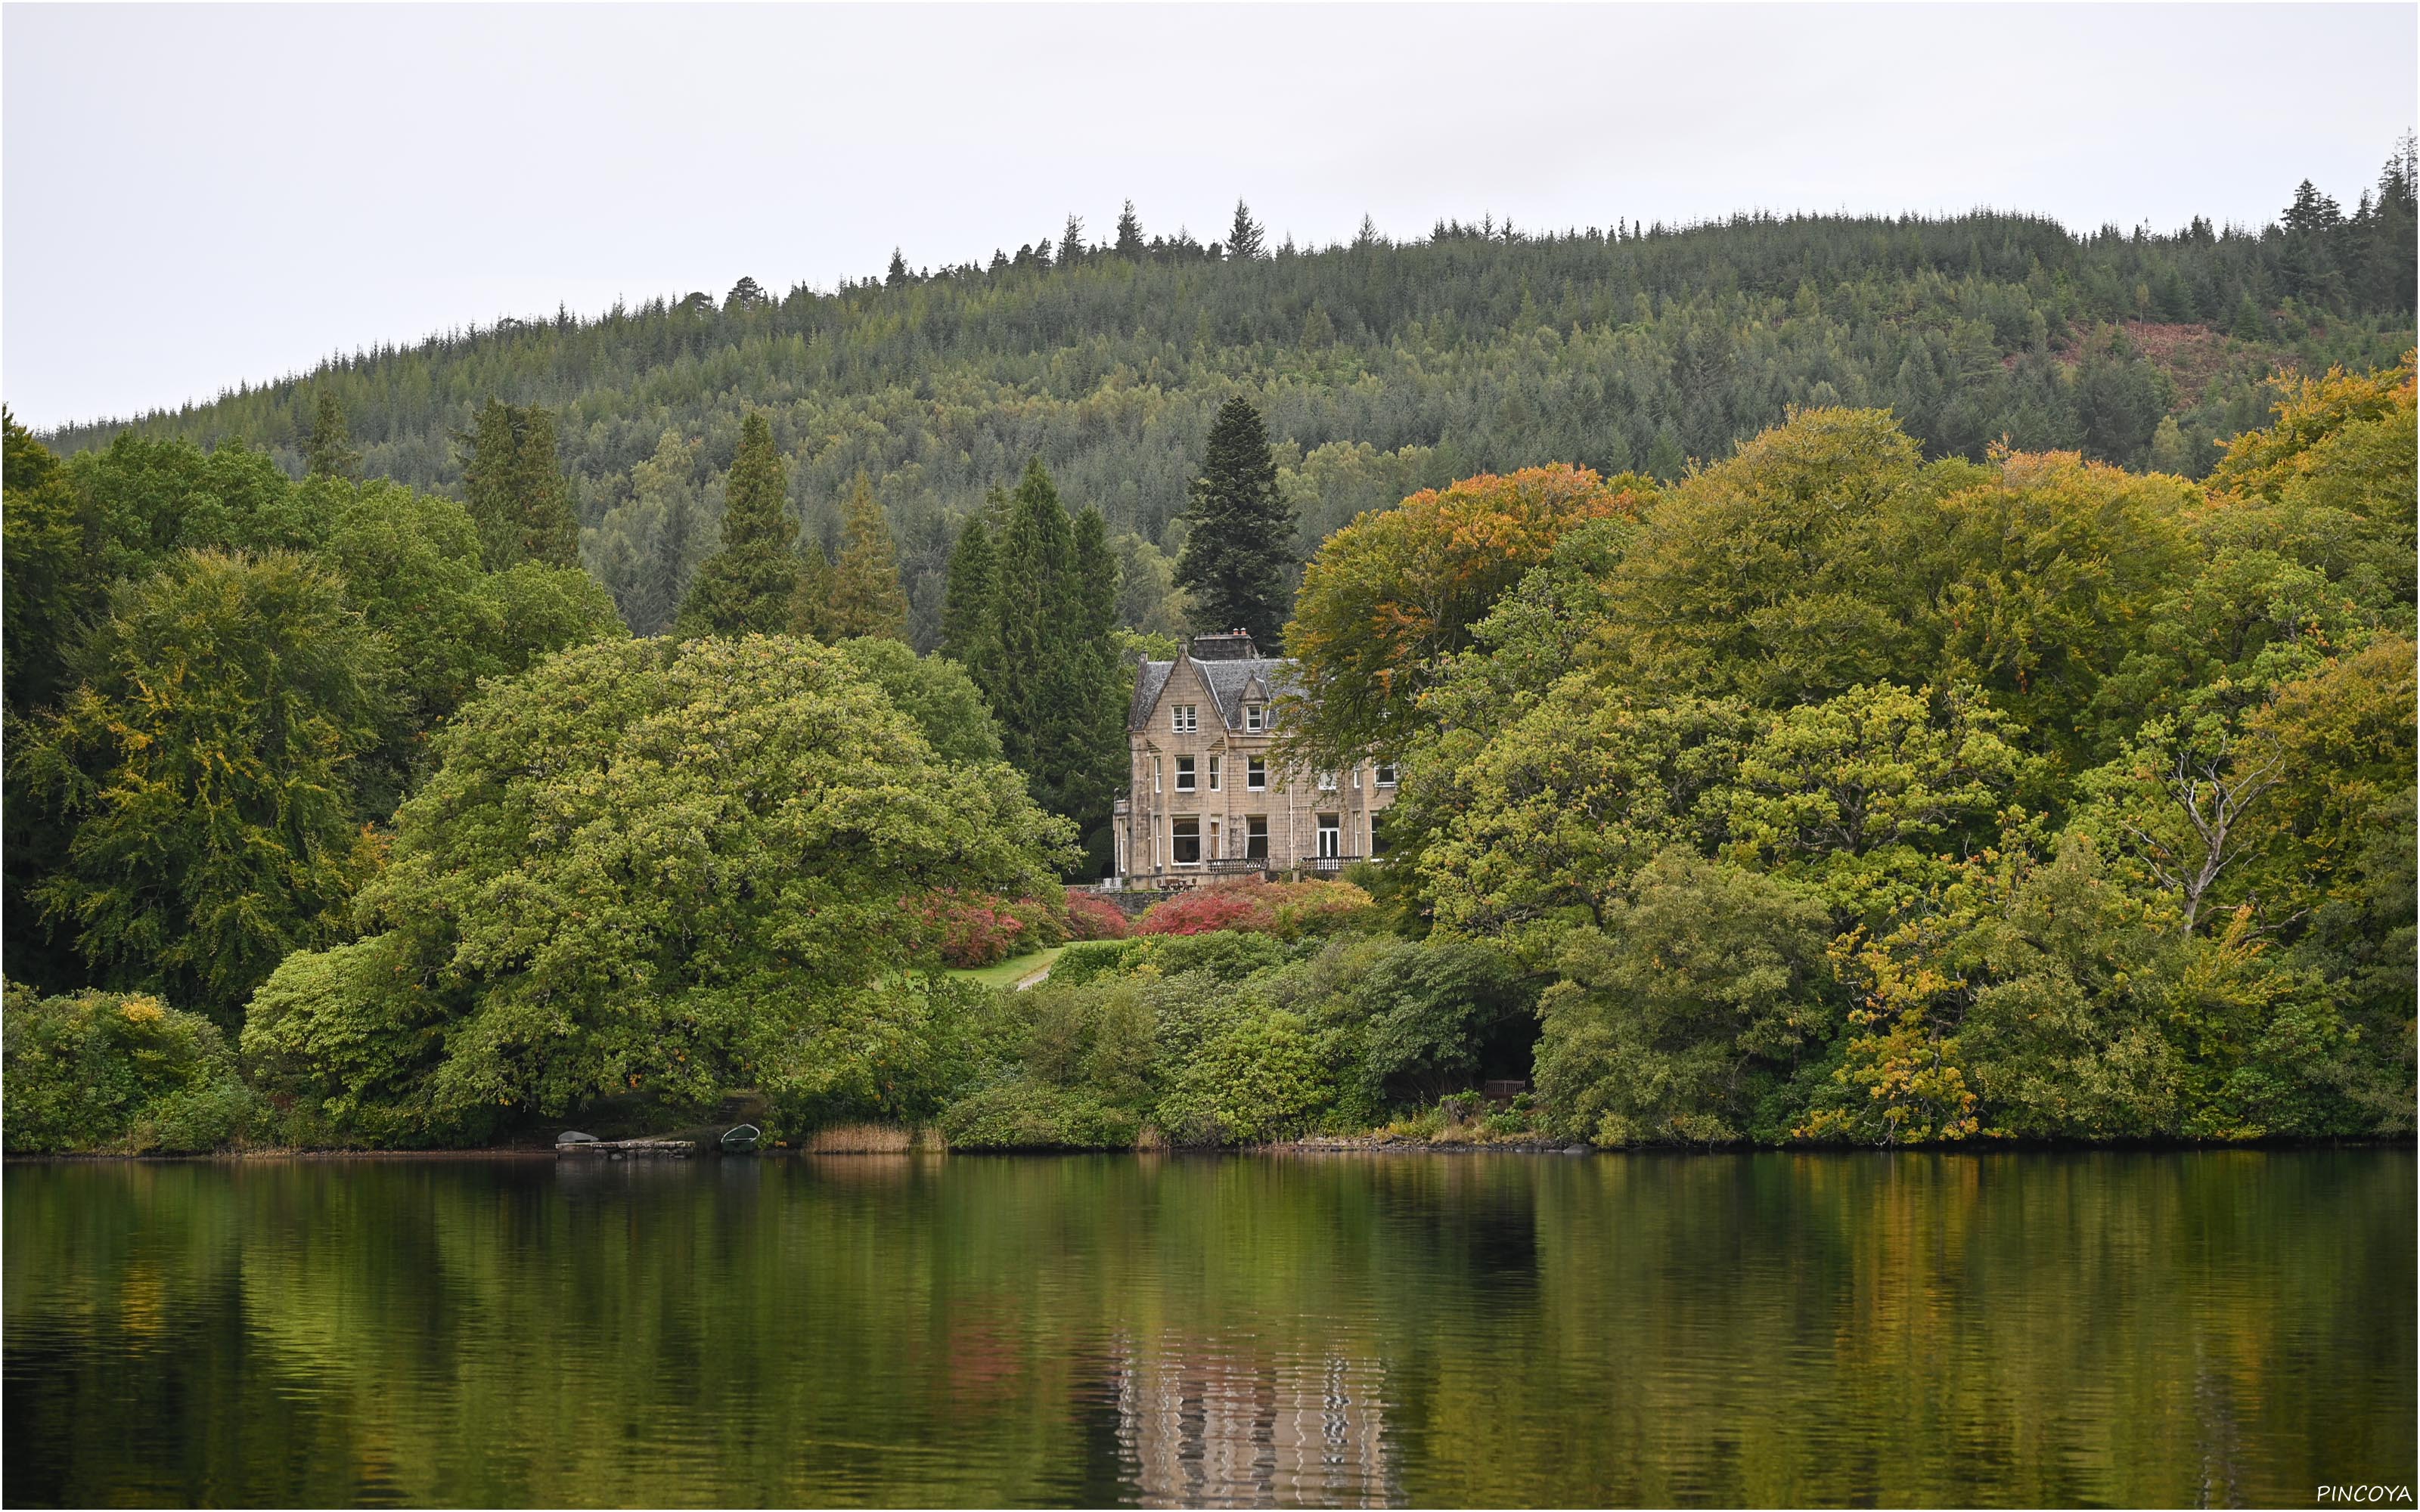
(328, 451)
(971, 608)
(514, 485)
(1239, 550)
(1244, 237)
(1129, 242)
(865, 597)
(750, 583)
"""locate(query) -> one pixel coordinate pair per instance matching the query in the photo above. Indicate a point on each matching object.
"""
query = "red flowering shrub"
(1093, 918)
(1286, 909)
(982, 929)
(970, 929)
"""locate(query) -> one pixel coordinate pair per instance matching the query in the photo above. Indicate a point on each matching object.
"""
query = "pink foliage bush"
(1091, 918)
(1286, 909)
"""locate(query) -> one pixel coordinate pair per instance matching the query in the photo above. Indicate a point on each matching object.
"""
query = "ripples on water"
(2174, 1328)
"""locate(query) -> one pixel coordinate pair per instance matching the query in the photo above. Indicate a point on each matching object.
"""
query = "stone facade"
(1207, 796)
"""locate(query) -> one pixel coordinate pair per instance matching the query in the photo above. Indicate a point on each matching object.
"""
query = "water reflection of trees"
(2147, 1327)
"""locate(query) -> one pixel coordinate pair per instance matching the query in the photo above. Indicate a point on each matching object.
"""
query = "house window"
(1252, 719)
(1155, 774)
(1214, 851)
(1256, 773)
(1185, 840)
(1331, 838)
(1213, 774)
(1256, 838)
(1185, 717)
(1386, 773)
(1356, 777)
(1378, 834)
(1184, 774)
(1327, 781)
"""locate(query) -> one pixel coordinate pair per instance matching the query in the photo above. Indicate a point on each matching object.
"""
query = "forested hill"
(1382, 366)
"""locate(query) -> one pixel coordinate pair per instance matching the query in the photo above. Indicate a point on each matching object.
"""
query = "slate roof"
(1226, 680)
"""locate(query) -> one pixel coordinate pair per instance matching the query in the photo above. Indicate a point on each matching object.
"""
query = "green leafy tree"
(50, 576)
(1685, 1018)
(1238, 559)
(668, 868)
(752, 582)
(206, 766)
(865, 599)
(933, 691)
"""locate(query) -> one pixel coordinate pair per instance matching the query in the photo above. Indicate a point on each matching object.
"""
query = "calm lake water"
(2014, 1328)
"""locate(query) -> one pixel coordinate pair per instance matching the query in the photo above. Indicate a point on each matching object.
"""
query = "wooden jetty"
(627, 1148)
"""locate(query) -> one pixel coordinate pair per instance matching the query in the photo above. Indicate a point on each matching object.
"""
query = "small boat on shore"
(741, 1139)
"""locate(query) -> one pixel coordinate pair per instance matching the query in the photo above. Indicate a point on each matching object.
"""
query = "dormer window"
(1255, 719)
(1185, 719)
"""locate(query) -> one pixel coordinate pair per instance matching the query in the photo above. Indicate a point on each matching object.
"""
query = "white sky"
(194, 194)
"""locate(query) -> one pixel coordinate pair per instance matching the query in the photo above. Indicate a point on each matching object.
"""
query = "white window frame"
(1262, 820)
(1384, 774)
(1175, 855)
(1331, 836)
(1155, 774)
(1213, 774)
(1184, 774)
(1184, 718)
(1256, 767)
(1255, 719)
(1327, 781)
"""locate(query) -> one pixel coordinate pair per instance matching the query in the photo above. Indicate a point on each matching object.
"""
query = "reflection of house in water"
(1206, 1428)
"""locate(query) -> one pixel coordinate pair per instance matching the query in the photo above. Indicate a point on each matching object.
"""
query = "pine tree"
(1244, 237)
(514, 484)
(810, 606)
(867, 598)
(1035, 564)
(1098, 762)
(550, 530)
(971, 608)
(1071, 242)
(1129, 243)
(897, 274)
(750, 583)
(328, 452)
(487, 485)
(1239, 546)
(663, 582)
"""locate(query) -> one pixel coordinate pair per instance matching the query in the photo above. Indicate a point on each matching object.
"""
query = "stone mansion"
(1206, 796)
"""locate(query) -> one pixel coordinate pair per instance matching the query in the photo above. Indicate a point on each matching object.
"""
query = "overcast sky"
(197, 195)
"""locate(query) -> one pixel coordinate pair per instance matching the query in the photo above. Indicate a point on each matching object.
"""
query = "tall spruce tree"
(1244, 237)
(867, 598)
(514, 484)
(328, 451)
(971, 608)
(1035, 558)
(750, 583)
(1129, 243)
(811, 609)
(1097, 762)
(663, 581)
(1239, 553)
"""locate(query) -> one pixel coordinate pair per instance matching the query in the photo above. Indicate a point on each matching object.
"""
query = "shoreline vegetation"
(1869, 780)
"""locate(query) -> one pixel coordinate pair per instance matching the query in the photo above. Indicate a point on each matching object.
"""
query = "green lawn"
(1013, 970)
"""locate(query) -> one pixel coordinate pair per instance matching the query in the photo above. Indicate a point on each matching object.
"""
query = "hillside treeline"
(1382, 366)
